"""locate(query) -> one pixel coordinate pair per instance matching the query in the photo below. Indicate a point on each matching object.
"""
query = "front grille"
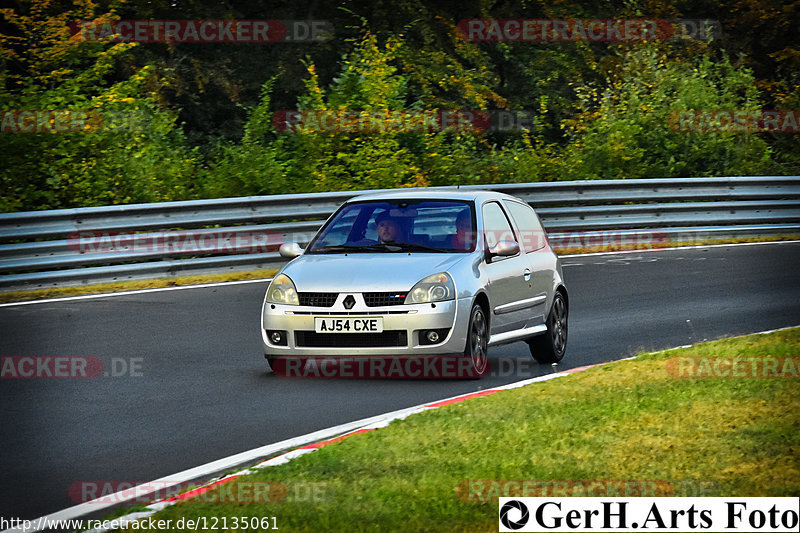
(381, 299)
(311, 339)
(348, 313)
(317, 299)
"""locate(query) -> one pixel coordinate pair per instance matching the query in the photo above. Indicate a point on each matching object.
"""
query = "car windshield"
(435, 226)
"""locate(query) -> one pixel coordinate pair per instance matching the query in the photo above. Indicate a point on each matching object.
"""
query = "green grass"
(630, 421)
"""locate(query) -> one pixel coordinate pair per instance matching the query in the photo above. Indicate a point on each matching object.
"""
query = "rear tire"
(551, 346)
(477, 343)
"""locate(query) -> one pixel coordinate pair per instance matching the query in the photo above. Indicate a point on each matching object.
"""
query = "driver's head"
(388, 228)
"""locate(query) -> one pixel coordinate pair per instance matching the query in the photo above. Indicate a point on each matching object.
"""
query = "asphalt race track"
(192, 384)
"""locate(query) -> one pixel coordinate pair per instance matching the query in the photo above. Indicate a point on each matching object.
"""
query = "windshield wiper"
(376, 247)
(339, 248)
(412, 247)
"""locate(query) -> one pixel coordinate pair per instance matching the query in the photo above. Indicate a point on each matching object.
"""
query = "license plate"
(348, 325)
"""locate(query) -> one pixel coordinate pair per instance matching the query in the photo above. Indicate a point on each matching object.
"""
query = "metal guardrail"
(44, 248)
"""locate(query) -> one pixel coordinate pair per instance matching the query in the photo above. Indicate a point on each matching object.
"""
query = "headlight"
(435, 288)
(282, 291)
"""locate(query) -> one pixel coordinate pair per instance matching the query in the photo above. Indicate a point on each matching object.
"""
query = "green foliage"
(625, 126)
(130, 151)
(200, 117)
(256, 165)
(787, 146)
(368, 81)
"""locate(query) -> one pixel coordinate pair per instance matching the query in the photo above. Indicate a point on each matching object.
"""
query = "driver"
(389, 229)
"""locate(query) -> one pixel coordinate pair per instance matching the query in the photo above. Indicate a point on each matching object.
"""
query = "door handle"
(526, 274)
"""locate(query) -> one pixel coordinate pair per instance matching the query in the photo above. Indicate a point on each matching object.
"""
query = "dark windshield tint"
(399, 226)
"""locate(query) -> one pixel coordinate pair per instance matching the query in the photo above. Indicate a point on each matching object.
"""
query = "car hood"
(366, 272)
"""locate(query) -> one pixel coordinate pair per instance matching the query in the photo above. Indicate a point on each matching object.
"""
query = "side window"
(532, 236)
(496, 226)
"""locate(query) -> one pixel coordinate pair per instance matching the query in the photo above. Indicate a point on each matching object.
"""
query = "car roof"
(435, 193)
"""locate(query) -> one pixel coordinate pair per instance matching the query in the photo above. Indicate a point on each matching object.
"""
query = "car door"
(507, 286)
(539, 259)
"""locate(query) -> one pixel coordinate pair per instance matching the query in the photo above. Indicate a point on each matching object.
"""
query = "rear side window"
(531, 233)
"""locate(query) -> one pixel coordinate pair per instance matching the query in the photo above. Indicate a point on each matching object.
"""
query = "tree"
(340, 160)
(627, 127)
(128, 150)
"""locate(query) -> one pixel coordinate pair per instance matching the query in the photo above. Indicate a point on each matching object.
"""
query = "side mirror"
(290, 250)
(504, 249)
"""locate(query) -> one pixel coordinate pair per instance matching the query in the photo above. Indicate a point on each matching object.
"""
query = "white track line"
(138, 291)
(672, 248)
(233, 461)
(263, 280)
(240, 459)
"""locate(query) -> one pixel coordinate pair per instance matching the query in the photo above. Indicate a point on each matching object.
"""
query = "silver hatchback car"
(421, 272)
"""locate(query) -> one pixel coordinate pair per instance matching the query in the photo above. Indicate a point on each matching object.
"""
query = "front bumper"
(402, 325)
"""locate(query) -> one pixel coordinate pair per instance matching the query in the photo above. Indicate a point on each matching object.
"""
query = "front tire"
(477, 343)
(550, 347)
